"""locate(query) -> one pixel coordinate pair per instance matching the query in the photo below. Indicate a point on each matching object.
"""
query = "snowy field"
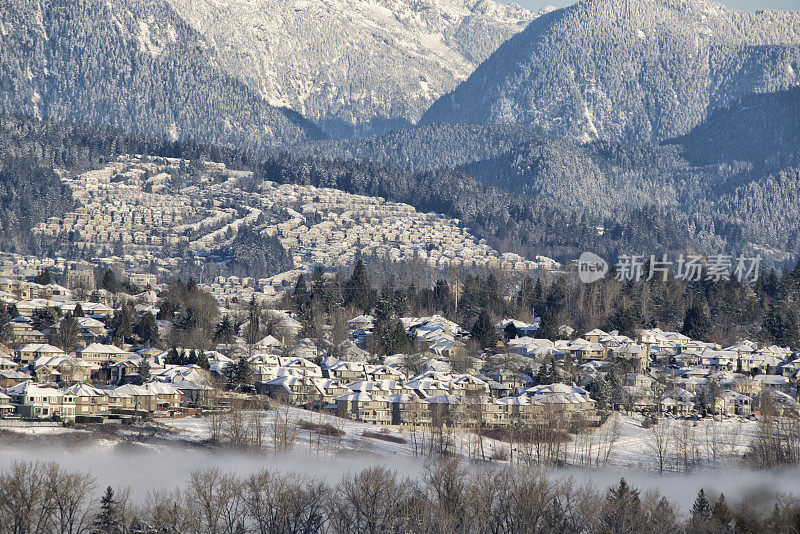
(141, 460)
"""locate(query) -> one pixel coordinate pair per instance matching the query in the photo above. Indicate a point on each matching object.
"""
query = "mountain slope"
(423, 148)
(759, 128)
(634, 70)
(354, 66)
(131, 64)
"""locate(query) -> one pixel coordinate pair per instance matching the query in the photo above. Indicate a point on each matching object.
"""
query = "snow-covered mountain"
(131, 64)
(353, 66)
(633, 70)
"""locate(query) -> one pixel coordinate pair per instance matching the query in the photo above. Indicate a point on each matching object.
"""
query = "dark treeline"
(252, 254)
(193, 313)
(448, 497)
(508, 221)
(733, 179)
(724, 312)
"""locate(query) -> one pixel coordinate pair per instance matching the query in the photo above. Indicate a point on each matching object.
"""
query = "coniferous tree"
(302, 295)
(123, 325)
(511, 331)
(526, 296)
(147, 329)
(543, 376)
(109, 281)
(78, 310)
(43, 277)
(662, 517)
(398, 339)
(721, 514)
(549, 324)
(107, 521)
(781, 326)
(358, 290)
(226, 332)
(696, 322)
(6, 332)
(43, 318)
(239, 373)
(144, 370)
(483, 330)
(622, 510)
(202, 360)
(173, 358)
(253, 331)
(701, 509)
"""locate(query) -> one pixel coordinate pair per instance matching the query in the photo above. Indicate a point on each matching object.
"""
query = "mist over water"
(167, 467)
(151, 467)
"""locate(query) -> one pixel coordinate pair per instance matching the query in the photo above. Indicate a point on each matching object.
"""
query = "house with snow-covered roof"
(6, 408)
(89, 400)
(99, 353)
(30, 352)
(40, 402)
(375, 409)
(733, 403)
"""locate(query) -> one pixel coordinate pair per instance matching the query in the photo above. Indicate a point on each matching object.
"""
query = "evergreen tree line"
(724, 312)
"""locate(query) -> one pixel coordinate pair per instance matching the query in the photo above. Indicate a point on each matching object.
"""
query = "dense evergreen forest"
(722, 312)
(731, 184)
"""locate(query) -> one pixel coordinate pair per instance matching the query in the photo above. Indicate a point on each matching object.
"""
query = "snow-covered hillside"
(353, 65)
(639, 70)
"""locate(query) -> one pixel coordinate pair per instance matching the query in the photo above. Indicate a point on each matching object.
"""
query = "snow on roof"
(269, 341)
(595, 332)
(360, 397)
(443, 399)
(41, 348)
(85, 390)
(99, 348)
(29, 387)
(191, 385)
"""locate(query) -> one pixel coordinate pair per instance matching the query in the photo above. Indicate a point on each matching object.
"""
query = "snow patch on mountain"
(354, 66)
(639, 70)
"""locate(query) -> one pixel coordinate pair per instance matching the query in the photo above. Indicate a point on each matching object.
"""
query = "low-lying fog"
(167, 466)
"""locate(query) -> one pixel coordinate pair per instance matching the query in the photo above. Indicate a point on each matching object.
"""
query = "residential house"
(89, 400)
(374, 409)
(34, 401)
(31, 351)
(101, 354)
(6, 408)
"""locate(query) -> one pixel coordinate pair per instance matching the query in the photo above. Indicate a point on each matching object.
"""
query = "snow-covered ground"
(352, 441)
(622, 441)
(715, 443)
(143, 459)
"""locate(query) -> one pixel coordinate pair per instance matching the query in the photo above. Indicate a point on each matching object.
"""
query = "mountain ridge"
(131, 64)
(633, 70)
(355, 67)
